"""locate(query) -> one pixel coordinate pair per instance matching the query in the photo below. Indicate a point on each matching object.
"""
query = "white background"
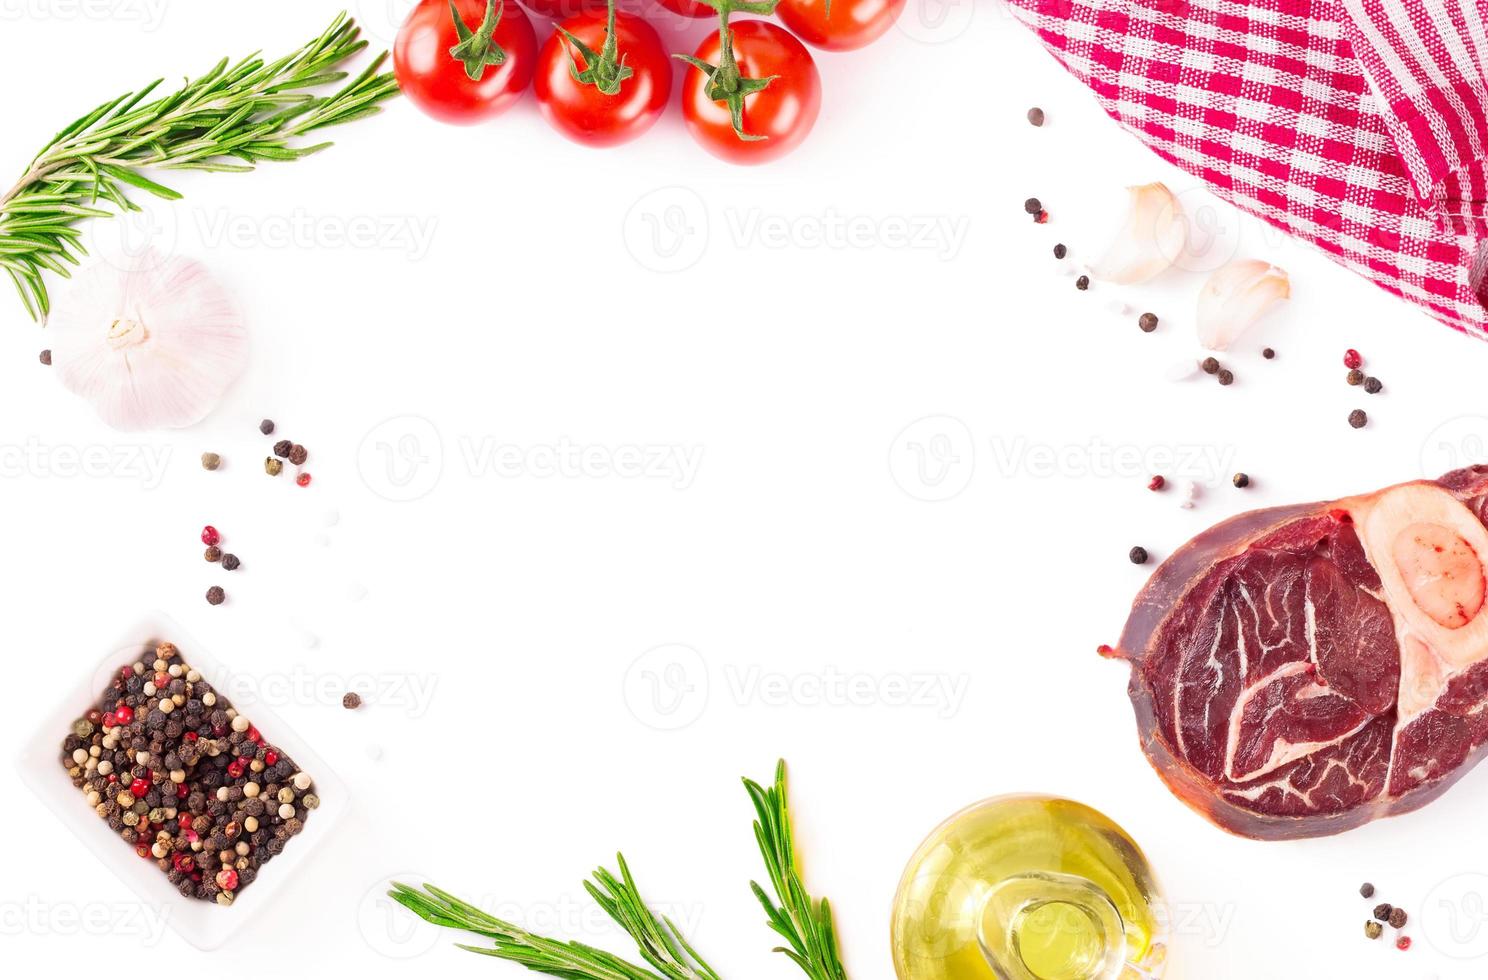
(511, 297)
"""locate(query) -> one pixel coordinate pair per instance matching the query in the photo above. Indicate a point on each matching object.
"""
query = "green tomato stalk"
(726, 83)
(602, 70)
(478, 49)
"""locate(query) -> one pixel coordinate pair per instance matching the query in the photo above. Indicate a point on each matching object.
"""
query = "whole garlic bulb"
(153, 343)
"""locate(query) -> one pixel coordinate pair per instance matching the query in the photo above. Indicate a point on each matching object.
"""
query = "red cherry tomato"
(559, 10)
(783, 113)
(581, 111)
(689, 8)
(437, 82)
(850, 24)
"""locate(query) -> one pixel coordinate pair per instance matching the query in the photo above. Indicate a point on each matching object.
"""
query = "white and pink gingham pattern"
(1360, 126)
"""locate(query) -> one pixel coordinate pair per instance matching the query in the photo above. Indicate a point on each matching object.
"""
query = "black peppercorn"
(1148, 322)
(1354, 377)
(1382, 911)
(266, 427)
(1138, 555)
(230, 562)
(1367, 890)
(1082, 283)
(1372, 929)
(351, 700)
(213, 553)
(1358, 419)
(1241, 480)
(1209, 365)
(1268, 353)
(1060, 251)
(282, 448)
(1033, 205)
(46, 358)
(1397, 918)
(1226, 376)
(215, 595)
(1036, 116)
(298, 454)
(1373, 385)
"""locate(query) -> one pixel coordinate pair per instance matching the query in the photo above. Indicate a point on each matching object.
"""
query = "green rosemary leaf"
(143, 183)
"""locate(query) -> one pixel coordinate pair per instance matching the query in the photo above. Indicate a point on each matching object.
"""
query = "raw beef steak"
(1302, 670)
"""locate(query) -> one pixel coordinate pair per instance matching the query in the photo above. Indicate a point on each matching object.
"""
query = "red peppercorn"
(95, 716)
(1042, 217)
(255, 736)
(1157, 483)
(113, 777)
(124, 714)
(1403, 943)
(235, 768)
(303, 480)
(181, 791)
(271, 757)
(1352, 359)
(110, 720)
(142, 851)
(139, 788)
(161, 680)
(227, 879)
(210, 535)
(191, 736)
(125, 673)
(184, 863)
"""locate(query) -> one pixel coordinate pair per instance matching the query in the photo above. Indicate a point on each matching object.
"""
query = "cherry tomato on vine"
(782, 113)
(579, 109)
(492, 67)
(849, 24)
(556, 10)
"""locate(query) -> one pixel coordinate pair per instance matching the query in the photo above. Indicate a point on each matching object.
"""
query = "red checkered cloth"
(1360, 126)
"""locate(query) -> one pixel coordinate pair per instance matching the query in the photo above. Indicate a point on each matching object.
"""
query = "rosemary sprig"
(227, 120)
(659, 940)
(806, 924)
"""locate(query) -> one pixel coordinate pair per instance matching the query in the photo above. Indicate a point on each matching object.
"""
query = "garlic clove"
(1152, 236)
(153, 343)
(1235, 297)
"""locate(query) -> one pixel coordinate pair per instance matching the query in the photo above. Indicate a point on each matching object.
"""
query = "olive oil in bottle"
(1028, 888)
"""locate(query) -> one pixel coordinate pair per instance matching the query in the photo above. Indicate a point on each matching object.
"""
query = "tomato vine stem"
(478, 49)
(601, 70)
(726, 83)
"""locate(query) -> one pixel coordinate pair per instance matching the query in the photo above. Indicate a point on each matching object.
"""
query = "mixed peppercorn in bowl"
(184, 778)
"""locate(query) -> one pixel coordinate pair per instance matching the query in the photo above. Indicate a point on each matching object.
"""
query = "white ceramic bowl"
(205, 925)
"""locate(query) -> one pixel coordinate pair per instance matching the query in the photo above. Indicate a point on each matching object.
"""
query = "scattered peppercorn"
(303, 480)
(1373, 930)
(1397, 918)
(213, 553)
(1382, 911)
(1352, 359)
(266, 427)
(1403, 943)
(1373, 385)
(1226, 376)
(1157, 483)
(1138, 555)
(215, 595)
(210, 535)
(351, 700)
(1060, 251)
(1358, 419)
(1041, 218)
(1209, 365)
(298, 454)
(1241, 480)
(1354, 377)
(282, 448)
(210, 461)
(230, 562)
(272, 466)
(1033, 205)
(1268, 353)
(46, 358)
(1082, 283)
(1036, 116)
(1148, 322)
(1367, 890)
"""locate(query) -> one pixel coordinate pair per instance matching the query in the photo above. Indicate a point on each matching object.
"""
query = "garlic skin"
(1153, 235)
(151, 343)
(1235, 297)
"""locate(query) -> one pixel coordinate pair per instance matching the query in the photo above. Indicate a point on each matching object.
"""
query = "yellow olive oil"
(1028, 888)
